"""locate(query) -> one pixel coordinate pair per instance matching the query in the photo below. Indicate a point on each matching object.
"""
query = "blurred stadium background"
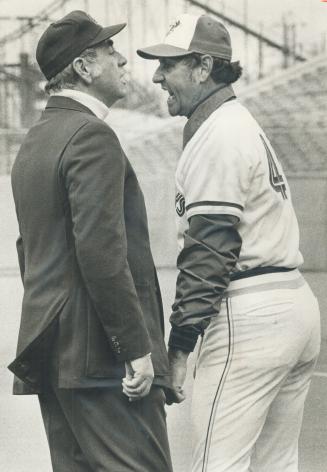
(285, 87)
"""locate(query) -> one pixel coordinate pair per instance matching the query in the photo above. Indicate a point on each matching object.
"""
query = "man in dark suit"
(91, 337)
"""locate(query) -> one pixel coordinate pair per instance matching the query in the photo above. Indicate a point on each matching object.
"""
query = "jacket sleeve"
(21, 256)
(93, 168)
(211, 249)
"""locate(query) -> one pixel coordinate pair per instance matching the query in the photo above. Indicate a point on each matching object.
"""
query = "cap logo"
(173, 26)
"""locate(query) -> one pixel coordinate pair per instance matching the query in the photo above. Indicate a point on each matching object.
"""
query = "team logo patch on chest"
(180, 204)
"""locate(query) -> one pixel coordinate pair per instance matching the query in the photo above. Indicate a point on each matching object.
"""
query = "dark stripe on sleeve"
(184, 337)
(210, 203)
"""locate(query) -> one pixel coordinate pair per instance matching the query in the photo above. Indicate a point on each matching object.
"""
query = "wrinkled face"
(177, 77)
(109, 76)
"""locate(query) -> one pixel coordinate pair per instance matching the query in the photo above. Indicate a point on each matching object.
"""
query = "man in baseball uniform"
(238, 286)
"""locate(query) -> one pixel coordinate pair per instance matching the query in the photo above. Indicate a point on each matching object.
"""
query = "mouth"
(124, 78)
(171, 97)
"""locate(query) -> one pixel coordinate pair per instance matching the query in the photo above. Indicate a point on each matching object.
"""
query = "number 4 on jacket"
(276, 179)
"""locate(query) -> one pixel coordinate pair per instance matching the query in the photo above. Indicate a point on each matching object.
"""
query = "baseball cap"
(65, 39)
(188, 34)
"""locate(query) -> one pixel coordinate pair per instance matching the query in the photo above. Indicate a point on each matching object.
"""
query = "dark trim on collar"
(204, 110)
(65, 103)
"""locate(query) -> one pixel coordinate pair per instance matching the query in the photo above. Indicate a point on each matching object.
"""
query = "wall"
(309, 196)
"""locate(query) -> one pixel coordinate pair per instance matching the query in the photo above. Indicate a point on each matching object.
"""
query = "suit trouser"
(252, 376)
(99, 430)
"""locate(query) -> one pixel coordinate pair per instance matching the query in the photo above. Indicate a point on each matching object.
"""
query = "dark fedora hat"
(65, 39)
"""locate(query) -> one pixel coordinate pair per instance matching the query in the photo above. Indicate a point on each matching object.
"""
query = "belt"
(258, 271)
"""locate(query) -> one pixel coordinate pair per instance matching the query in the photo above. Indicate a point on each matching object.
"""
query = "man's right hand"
(139, 377)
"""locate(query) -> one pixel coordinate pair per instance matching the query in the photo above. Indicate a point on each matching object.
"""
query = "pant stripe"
(220, 386)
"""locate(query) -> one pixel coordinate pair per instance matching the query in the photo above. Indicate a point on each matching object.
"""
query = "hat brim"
(107, 33)
(162, 50)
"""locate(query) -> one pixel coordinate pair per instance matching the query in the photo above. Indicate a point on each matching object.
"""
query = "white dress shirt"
(96, 106)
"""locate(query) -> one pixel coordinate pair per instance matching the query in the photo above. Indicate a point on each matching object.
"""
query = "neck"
(220, 95)
(107, 100)
(206, 94)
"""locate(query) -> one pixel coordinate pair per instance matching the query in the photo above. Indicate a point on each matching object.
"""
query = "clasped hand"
(139, 376)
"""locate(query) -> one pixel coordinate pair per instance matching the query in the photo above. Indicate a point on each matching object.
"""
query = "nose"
(158, 76)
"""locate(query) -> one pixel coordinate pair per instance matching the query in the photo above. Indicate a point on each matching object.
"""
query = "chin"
(173, 111)
(123, 92)
(120, 95)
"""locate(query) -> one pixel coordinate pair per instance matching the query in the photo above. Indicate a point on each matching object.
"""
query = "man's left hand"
(178, 369)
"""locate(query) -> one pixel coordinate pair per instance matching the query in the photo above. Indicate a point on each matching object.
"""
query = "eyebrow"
(168, 61)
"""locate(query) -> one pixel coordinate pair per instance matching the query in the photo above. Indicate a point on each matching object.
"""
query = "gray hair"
(68, 78)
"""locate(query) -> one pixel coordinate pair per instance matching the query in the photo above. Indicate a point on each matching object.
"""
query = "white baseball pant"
(252, 376)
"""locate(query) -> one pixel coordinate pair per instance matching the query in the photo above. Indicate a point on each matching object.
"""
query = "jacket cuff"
(128, 353)
(184, 338)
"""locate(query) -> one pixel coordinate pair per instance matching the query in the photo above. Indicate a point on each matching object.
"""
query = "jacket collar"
(204, 110)
(94, 104)
(66, 103)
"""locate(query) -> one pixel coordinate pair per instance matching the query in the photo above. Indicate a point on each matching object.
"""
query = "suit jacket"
(90, 284)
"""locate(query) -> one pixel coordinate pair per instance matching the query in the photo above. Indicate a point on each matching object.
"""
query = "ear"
(205, 67)
(83, 70)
